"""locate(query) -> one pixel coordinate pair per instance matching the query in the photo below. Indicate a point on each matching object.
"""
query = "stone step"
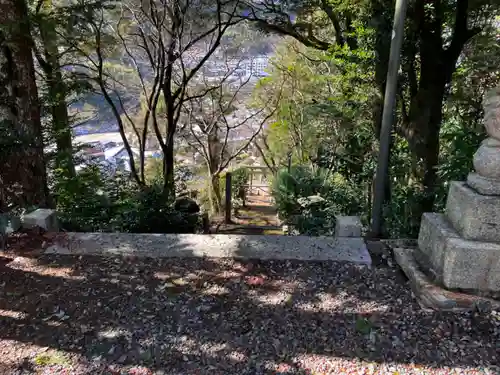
(218, 246)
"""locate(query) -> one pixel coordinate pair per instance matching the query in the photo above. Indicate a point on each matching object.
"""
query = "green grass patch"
(273, 232)
(51, 359)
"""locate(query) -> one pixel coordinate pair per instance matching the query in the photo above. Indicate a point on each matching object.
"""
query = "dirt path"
(259, 216)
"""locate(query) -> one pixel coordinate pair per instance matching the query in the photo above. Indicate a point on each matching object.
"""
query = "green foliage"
(401, 212)
(289, 187)
(328, 105)
(182, 175)
(326, 100)
(153, 173)
(309, 199)
(363, 326)
(459, 144)
(239, 180)
(204, 191)
(91, 202)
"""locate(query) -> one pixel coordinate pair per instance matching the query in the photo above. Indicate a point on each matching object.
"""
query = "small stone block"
(348, 226)
(43, 217)
(459, 263)
(473, 215)
(483, 185)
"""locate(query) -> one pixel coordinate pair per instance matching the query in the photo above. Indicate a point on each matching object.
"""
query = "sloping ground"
(82, 314)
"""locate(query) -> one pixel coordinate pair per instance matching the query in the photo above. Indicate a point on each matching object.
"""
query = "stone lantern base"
(461, 248)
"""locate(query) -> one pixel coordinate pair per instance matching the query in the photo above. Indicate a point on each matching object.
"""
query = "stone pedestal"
(461, 248)
(455, 262)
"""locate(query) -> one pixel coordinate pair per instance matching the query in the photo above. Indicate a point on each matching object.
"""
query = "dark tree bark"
(57, 91)
(61, 125)
(215, 145)
(437, 65)
(23, 178)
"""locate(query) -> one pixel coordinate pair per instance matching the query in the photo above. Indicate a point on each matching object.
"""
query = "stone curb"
(215, 245)
(431, 295)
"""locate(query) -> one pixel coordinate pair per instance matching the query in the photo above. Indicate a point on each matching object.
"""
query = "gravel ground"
(90, 315)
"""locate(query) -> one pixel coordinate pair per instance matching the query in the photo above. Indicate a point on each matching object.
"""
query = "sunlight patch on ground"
(216, 290)
(211, 349)
(111, 334)
(269, 298)
(230, 274)
(165, 275)
(22, 351)
(51, 358)
(317, 302)
(323, 364)
(12, 314)
(286, 285)
(24, 263)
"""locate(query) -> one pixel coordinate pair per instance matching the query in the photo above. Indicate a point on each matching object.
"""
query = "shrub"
(204, 190)
(309, 199)
(92, 202)
(288, 187)
(182, 176)
(239, 180)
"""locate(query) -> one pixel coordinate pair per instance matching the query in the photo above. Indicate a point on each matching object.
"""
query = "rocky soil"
(93, 315)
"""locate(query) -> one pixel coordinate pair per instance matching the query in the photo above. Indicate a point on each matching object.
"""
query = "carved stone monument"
(461, 248)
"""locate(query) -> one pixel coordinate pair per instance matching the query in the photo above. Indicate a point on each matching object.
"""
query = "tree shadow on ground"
(207, 316)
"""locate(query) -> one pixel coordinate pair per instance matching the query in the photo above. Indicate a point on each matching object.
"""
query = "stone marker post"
(461, 248)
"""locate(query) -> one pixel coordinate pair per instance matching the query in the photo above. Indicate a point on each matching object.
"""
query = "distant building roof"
(112, 152)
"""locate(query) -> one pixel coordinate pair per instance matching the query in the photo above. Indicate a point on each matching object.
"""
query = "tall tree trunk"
(57, 94)
(61, 124)
(168, 146)
(215, 194)
(382, 50)
(168, 165)
(426, 114)
(170, 101)
(23, 177)
(437, 65)
(214, 163)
